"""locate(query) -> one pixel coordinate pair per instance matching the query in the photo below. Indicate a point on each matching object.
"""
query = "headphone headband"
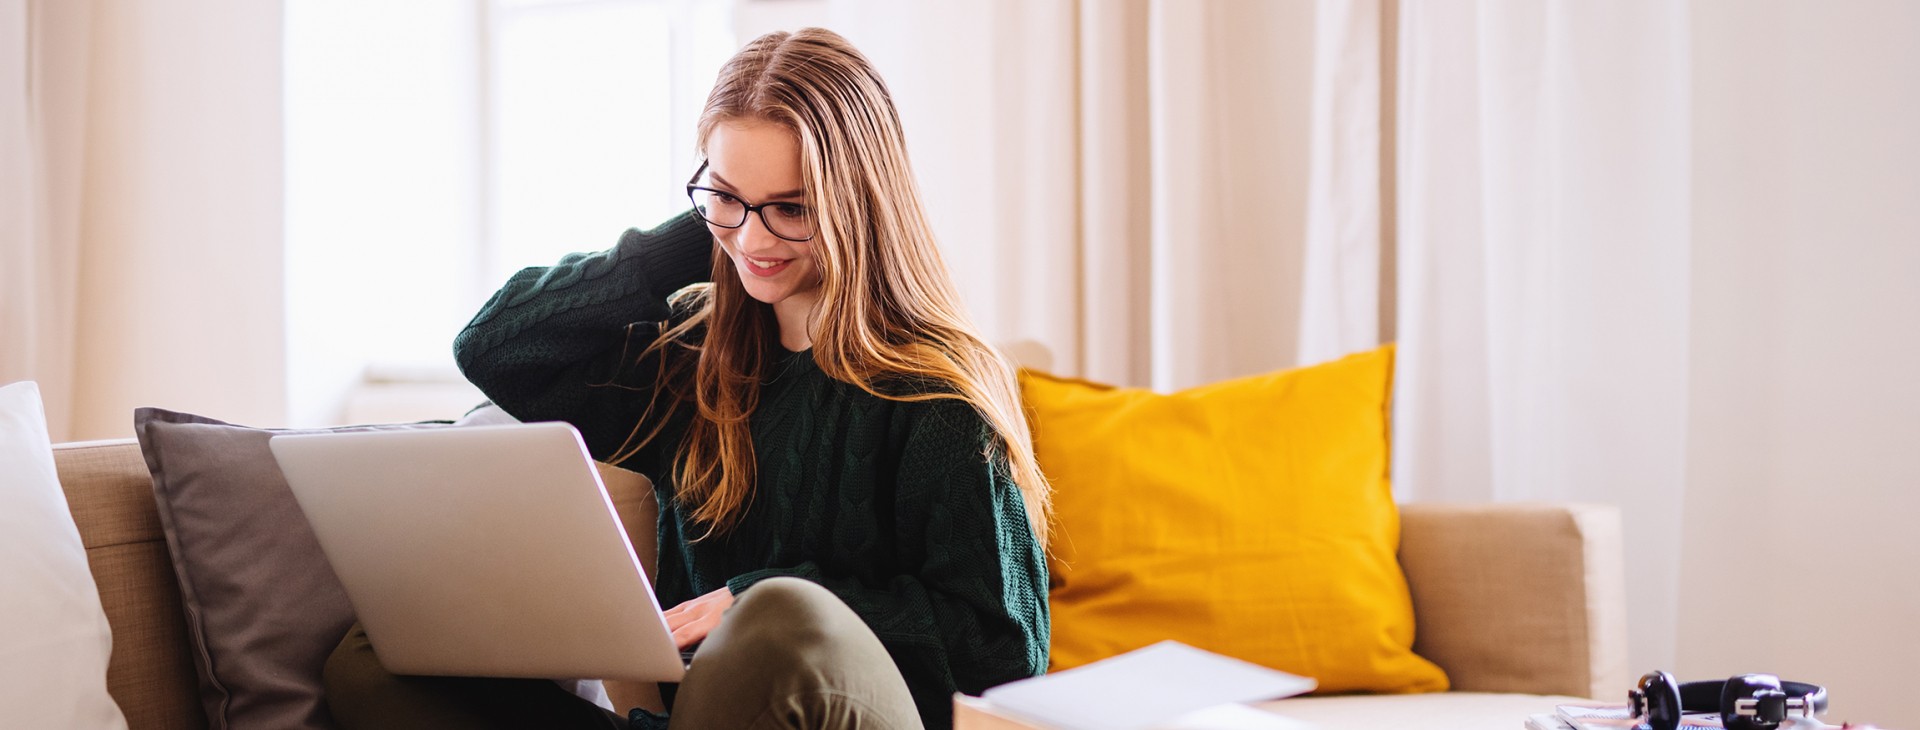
(1745, 702)
(1705, 695)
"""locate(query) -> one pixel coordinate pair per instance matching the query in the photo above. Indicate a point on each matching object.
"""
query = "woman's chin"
(762, 292)
(777, 289)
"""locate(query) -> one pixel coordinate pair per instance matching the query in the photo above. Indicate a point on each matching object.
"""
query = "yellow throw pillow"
(1251, 517)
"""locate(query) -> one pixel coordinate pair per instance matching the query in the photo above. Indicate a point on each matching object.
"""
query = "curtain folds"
(43, 100)
(1130, 186)
(1348, 251)
(1544, 188)
(140, 199)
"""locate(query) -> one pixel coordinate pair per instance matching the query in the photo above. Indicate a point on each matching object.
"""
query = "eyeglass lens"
(791, 221)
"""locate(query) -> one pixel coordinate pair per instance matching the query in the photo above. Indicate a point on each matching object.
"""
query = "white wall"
(753, 18)
(181, 211)
(1802, 557)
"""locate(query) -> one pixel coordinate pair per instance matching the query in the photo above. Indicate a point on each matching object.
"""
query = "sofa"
(1521, 604)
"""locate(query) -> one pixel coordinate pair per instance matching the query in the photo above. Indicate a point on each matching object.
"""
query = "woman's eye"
(724, 199)
(791, 211)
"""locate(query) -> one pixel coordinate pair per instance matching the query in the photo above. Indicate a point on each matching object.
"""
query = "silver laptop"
(485, 551)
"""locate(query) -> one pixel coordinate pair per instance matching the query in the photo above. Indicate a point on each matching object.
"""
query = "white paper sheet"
(1144, 688)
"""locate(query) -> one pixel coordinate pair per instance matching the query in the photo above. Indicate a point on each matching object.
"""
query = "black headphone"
(1746, 702)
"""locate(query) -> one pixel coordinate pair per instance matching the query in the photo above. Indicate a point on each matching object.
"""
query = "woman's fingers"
(694, 631)
(691, 621)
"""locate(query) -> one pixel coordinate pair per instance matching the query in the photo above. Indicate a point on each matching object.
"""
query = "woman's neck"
(795, 315)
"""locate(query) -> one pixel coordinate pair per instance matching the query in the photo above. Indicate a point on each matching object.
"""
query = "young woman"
(852, 524)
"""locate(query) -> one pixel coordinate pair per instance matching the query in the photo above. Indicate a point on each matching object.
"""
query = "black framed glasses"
(791, 221)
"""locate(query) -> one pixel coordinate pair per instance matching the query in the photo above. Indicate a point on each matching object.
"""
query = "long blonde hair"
(888, 311)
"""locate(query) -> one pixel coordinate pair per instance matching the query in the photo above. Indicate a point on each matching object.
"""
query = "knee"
(785, 594)
(361, 693)
(790, 614)
(804, 654)
(352, 675)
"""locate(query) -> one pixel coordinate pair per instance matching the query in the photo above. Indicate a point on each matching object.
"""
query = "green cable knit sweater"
(893, 506)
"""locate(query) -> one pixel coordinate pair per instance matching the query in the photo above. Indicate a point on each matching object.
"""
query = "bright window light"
(582, 137)
(433, 147)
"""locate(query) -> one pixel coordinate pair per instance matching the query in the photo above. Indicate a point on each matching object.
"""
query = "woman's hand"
(692, 621)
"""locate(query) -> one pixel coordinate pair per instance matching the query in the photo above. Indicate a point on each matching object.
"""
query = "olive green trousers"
(787, 654)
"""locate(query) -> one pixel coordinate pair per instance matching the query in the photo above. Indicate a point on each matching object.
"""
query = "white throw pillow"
(54, 640)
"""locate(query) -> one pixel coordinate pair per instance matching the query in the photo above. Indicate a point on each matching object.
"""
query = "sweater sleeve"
(558, 343)
(972, 613)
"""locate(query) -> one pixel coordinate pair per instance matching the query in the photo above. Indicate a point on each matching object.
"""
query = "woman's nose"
(754, 235)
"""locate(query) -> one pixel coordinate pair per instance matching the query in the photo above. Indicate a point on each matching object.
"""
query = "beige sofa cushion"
(151, 673)
(1519, 597)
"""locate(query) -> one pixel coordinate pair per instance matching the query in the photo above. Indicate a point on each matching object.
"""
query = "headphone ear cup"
(1657, 701)
(1747, 686)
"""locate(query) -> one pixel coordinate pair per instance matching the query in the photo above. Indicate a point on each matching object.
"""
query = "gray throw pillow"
(263, 608)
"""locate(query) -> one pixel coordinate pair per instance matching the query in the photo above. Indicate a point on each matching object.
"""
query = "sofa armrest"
(110, 493)
(1519, 597)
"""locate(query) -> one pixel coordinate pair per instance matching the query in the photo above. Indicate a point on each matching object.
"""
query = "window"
(592, 105)
(433, 147)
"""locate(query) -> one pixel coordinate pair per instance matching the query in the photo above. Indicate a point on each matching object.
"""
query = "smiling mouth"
(764, 263)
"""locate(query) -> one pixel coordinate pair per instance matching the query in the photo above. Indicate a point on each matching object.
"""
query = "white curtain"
(1349, 258)
(1134, 185)
(43, 98)
(1544, 187)
(140, 210)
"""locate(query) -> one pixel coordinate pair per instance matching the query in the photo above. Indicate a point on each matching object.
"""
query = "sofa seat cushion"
(1435, 711)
